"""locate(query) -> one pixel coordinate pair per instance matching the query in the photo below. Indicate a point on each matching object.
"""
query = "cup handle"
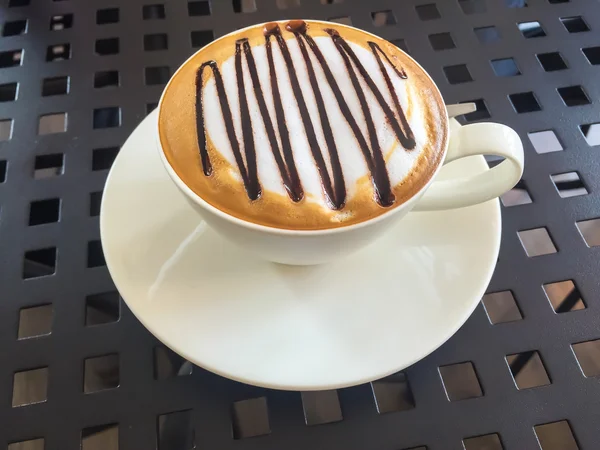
(477, 139)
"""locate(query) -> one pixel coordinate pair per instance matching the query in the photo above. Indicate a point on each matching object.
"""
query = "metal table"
(78, 370)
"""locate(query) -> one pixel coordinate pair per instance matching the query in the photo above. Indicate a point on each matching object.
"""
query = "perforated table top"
(77, 370)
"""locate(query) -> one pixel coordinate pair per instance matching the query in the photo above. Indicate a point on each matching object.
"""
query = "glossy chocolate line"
(200, 131)
(373, 158)
(334, 157)
(407, 140)
(377, 52)
(380, 176)
(294, 184)
(308, 126)
(252, 187)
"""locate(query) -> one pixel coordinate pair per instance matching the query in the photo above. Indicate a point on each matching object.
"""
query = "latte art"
(302, 125)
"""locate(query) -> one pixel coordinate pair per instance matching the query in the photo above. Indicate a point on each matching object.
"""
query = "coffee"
(302, 125)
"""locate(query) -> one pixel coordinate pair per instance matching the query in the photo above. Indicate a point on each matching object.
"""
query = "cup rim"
(289, 231)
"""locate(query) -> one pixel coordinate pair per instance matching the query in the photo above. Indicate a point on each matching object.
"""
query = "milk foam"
(399, 161)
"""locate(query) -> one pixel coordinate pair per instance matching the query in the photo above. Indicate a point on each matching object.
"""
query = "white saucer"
(297, 328)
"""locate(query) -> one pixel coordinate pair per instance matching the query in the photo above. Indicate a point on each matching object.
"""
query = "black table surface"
(77, 370)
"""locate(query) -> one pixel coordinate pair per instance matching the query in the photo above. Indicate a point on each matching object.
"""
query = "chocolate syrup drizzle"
(333, 183)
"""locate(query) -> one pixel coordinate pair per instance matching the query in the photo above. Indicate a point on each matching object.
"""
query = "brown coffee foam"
(225, 191)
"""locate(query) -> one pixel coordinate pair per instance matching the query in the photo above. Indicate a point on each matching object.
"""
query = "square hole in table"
(591, 133)
(108, 117)
(44, 211)
(168, 364)
(55, 86)
(107, 78)
(61, 22)
(154, 42)
(199, 8)
(501, 307)
(590, 231)
(17, 3)
(48, 166)
(103, 158)
(11, 58)
(105, 437)
(39, 263)
(441, 41)
(536, 242)
(14, 28)
(505, 67)
(153, 12)
(200, 38)
(52, 123)
(568, 184)
(321, 407)
(107, 15)
(481, 113)
(528, 370)
(487, 35)
(30, 386)
(250, 418)
(3, 170)
(556, 436)
(344, 20)
(524, 102)
(592, 54)
(393, 393)
(8, 92)
(31, 444)
(175, 430)
(588, 357)
(58, 52)
(151, 107)
(428, 12)
(564, 296)
(458, 74)
(108, 46)
(472, 6)
(573, 96)
(460, 381)
(516, 3)
(157, 75)
(575, 24)
(35, 321)
(102, 308)
(545, 141)
(244, 6)
(101, 373)
(518, 195)
(382, 18)
(552, 61)
(531, 29)
(485, 442)
(95, 255)
(6, 127)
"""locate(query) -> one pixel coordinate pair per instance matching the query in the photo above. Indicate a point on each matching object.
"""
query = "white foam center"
(399, 161)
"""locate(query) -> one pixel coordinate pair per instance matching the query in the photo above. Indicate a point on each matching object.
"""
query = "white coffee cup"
(306, 247)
